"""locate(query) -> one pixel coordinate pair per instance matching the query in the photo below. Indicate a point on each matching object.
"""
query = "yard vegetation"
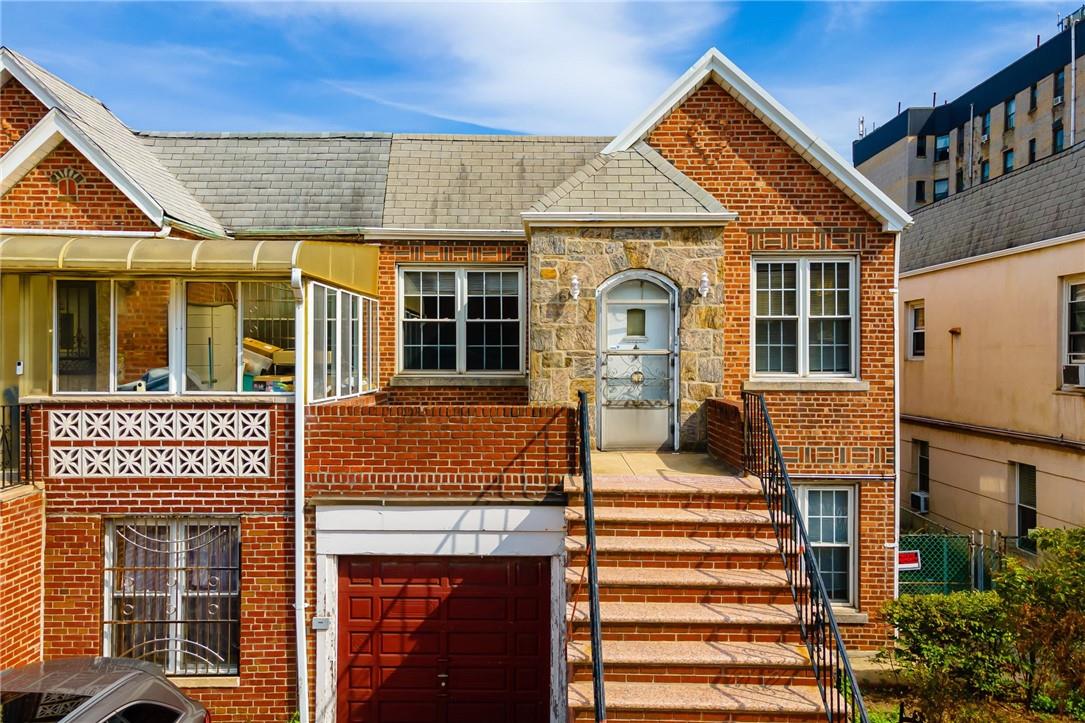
(1013, 654)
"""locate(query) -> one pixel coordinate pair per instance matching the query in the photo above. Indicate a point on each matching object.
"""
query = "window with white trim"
(172, 593)
(830, 521)
(1025, 487)
(344, 343)
(1074, 350)
(917, 330)
(922, 464)
(804, 312)
(461, 320)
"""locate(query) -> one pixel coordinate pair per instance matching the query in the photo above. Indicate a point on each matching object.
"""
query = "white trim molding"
(718, 67)
(1023, 248)
(629, 218)
(44, 137)
(11, 67)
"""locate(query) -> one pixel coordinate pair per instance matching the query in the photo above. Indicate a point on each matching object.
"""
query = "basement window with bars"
(804, 313)
(172, 593)
(461, 320)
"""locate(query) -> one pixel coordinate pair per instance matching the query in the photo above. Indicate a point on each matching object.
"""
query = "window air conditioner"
(1057, 100)
(921, 502)
(985, 137)
(1074, 375)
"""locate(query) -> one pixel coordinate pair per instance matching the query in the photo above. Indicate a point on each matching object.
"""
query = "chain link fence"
(948, 560)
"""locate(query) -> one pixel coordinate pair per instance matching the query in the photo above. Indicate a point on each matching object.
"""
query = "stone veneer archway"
(562, 331)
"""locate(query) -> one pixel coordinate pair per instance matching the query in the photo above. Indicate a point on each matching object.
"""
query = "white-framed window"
(239, 336)
(460, 320)
(922, 464)
(1025, 497)
(829, 513)
(344, 343)
(804, 317)
(917, 330)
(114, 335)
(172, 593)
(1074, 325)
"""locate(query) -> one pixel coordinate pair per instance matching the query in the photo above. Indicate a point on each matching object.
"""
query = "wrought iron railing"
(762, 457)
(593, 569)
(15, 459)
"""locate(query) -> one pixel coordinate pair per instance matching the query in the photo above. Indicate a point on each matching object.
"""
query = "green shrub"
(1046, 603)
(952, 649)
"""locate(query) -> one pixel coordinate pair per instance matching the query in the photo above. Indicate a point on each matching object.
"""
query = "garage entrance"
(444, 639)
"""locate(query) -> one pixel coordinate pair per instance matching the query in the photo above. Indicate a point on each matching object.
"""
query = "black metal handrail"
(762, 457)
(593, 569)
(15, 466)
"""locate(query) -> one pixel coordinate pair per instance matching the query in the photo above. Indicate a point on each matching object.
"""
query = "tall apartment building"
(1023, 113)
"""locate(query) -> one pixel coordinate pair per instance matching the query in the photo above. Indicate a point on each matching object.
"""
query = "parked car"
(94, 690)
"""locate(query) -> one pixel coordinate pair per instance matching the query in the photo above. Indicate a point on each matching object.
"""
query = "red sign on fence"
(908, 560)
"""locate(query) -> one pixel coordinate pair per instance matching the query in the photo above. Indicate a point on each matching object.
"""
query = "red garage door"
(444, 639)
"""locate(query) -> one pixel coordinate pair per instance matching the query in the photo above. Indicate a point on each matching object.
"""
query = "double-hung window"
(344, 346)
(922, 465)
(1009, 114)
(172, 593)
(941, 188)
(804, 317)
(830, 519)
(1075, 321)
(917, 330)
(941, 148)
(1025, 484)
(461, 320)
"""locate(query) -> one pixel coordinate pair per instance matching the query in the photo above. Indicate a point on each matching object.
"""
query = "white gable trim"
(633, 218)
(10, 67)
(44, 137)
(715, 65)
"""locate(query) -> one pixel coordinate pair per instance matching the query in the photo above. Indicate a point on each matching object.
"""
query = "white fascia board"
(390, 233)
(828, 161)
(10, 66)
(40, 140)
(562, 218)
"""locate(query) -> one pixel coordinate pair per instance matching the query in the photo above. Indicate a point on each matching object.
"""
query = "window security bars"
(172, 593)
(15, 459)
(763, 458)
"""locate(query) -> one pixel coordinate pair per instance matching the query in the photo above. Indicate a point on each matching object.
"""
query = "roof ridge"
(217, 135)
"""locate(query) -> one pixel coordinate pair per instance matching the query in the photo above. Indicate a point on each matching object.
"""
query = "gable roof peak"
(718, 67)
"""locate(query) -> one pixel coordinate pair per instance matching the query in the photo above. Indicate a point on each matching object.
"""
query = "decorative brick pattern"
(35, 201)
(22, 530)
(20, 112)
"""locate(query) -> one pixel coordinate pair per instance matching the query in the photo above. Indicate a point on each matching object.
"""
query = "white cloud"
(530, 67)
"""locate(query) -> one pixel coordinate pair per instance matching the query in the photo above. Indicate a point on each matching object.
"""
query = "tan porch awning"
(348, 264)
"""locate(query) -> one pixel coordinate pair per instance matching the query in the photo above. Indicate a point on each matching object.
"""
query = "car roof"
(87, 676)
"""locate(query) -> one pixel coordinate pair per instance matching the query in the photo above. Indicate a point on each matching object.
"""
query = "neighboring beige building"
(1018, 116)
(992, 287)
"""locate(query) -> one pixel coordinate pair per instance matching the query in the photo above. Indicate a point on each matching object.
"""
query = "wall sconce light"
(574, 287)
(702, 288)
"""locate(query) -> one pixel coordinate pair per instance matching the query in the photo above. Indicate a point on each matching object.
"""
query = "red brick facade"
(785, 204)
(36, 202)
(452, 450)
(22, 528)
(22, 111)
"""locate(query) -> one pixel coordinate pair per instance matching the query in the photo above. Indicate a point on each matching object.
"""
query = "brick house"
(220, 349)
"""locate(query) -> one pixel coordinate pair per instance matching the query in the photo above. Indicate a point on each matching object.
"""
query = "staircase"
(697, 615)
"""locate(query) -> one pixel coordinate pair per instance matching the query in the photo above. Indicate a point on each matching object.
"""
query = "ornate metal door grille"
(172, 593)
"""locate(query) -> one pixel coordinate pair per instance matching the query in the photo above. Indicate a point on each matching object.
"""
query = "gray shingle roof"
(476, 182)
(267, 180)
(124, 149)
(635, 181)
(1041, 201)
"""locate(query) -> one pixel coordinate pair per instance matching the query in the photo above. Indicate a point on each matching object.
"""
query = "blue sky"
(568, 68)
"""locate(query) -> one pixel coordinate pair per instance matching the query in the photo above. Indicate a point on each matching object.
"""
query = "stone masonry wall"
(562, 343)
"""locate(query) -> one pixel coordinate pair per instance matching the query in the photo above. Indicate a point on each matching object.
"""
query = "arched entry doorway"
(637, 348)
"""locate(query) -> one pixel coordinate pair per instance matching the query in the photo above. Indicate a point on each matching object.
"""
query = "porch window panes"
(429, 320)
(344, 343)
(777, 321)
(211, 336)
(829, 523)
(493, 321)
(82, 336)
(173, 593)
(142, 334)
(804, 318)
(458, 321)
